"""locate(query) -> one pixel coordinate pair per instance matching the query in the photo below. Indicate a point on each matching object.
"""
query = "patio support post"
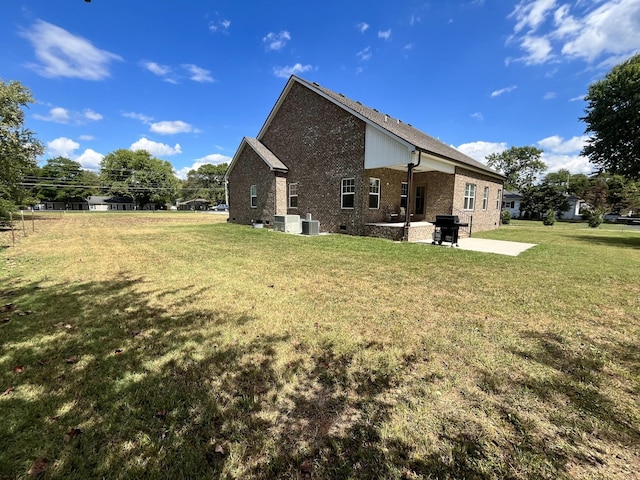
(407, 213)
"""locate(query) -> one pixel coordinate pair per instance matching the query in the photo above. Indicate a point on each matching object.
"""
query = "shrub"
(505, 217)
(595, 219)
(549, 218)
(6, 208)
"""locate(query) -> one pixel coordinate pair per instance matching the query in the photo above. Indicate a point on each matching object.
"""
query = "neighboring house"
(512, 200)
(573, 212)
(95, 203)
(355, 170)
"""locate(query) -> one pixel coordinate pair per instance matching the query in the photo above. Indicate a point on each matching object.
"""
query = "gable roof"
(263, 152)
(402, 131)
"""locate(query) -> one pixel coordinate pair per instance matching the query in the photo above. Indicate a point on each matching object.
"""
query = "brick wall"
(249, 170)
(320, 143)
(488, 219)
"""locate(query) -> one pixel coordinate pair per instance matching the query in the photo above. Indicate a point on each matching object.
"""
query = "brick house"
(356, 170)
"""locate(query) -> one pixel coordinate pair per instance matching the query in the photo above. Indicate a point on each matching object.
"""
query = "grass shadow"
(609, 240)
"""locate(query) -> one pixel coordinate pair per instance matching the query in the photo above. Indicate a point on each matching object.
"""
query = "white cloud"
(477, 116)
(164, 71)
(538, 50)
(62, 54)
(157, 69)
(560, 153)
(602, 32)
(479, 150)
(531, 14)
(362, 26)
(497, 93)
(171, 128)
(155, 148)
(86, 138)
(214, 159)
(365, 54)
(550, 95)
(575, 99)
(64, 116)
(286, 72)
(62, 147)
(557, 152)
(198, 74)
(558, 144)
(138, 116)
(276, 41)
(56, 115)
(91, 115)
(221, 26)
(386, 34)
(90, 159)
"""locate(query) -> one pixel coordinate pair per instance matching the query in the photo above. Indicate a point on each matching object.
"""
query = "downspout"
(407, 213)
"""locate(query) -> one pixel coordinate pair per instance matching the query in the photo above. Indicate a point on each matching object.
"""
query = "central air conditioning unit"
(310, 227)
(287, 223)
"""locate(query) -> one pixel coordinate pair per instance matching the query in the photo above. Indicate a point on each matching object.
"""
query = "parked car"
(223, 207)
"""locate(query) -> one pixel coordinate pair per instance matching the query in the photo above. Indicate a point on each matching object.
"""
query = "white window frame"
(293, 193)
(499, 199)
(374, 192)
(470, 196)
(253, 196)
(348, 189)
(485, 198)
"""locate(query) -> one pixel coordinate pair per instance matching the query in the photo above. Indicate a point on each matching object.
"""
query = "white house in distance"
(512, 200)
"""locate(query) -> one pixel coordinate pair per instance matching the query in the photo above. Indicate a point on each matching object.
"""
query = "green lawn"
(174, 345)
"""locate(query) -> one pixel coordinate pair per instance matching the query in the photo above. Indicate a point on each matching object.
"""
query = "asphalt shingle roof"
(266, 154)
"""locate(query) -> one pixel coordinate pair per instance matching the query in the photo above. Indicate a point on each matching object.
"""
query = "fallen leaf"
(135, 333)
(74, 432)
(63, 325)
(7, 391)
(305, 467)
(9, 307)
(18, 369)
(118, 351)
(74, 359)
(39, 467)
(5, 320)
(219, 449)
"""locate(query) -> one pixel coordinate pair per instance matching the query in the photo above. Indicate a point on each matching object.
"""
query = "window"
(404, 193)
(469, 196)
(348, 197)
(374, 193)
(253, 193)
(485, 198)
(293, 195)
(499, 199)
(420, 194)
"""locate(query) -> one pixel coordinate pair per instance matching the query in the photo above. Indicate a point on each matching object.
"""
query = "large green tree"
(550, 194)
(206, 182)
(19, 148)
(520, 165)
(64, 180)
(148, 180)
(613, 120)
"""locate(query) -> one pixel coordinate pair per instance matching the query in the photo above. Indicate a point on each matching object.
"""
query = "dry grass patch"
(176, 345)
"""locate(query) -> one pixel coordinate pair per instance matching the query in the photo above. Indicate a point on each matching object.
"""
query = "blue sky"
(187, 80)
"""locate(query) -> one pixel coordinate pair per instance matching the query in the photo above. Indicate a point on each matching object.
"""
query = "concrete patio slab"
(500, 247)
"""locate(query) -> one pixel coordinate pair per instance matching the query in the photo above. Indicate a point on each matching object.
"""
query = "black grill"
(447, 229)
